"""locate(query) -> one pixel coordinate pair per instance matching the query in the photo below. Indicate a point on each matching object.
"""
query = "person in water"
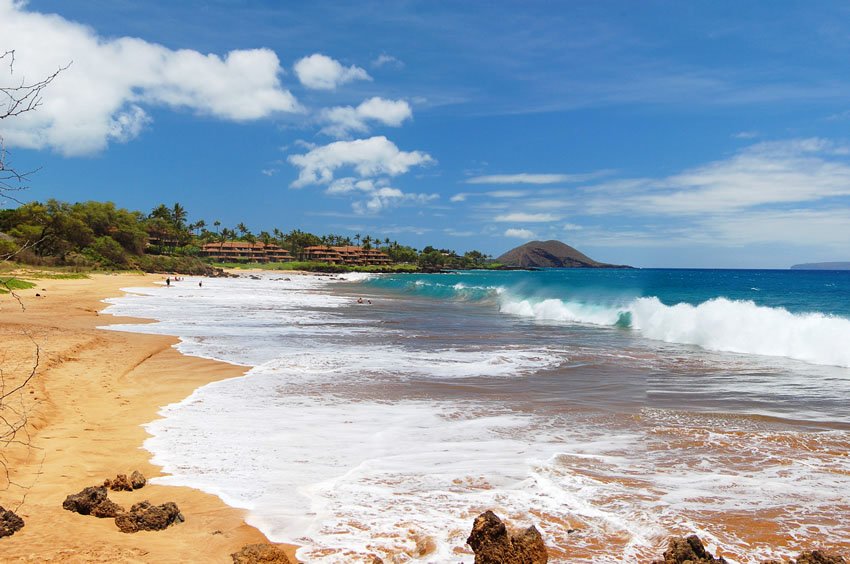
(359, 300)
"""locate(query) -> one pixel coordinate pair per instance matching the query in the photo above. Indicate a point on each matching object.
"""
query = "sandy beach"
(91, 393)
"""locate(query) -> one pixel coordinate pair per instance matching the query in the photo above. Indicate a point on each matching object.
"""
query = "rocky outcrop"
(107, 509)
(260, 553)
(493, 544)
(10, 522)
(820, 557)
(123, 483)
(92, 501)
(137, 480)
(687, 551)
(144, 516)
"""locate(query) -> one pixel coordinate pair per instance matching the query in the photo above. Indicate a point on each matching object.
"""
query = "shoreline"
(91, 394)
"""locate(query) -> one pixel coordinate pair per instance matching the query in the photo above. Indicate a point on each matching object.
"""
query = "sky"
(655, 134)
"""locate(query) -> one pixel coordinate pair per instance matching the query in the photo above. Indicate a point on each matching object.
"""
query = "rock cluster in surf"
(492, 543)
(260, 553)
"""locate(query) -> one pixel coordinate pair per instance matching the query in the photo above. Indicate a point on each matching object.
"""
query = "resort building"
(346, 255)
(242, 251)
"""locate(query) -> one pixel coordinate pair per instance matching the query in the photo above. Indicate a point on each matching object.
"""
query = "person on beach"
(168, 281)
(200, 284)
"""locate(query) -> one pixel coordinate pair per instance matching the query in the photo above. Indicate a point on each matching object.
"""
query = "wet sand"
(91, 392)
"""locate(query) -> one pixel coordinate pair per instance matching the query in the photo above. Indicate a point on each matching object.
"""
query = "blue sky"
(685, 134)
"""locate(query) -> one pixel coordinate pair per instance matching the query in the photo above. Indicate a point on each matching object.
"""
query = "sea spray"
(718, 324)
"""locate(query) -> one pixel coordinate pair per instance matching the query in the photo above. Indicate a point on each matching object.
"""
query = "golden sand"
(91, 393)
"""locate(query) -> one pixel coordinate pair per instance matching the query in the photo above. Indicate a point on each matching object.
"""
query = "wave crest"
(718, 324)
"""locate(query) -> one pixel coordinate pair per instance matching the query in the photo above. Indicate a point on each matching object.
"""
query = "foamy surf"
(350, 436)
(718, 324)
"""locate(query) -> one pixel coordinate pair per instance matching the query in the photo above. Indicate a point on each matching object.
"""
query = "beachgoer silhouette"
(168, 281)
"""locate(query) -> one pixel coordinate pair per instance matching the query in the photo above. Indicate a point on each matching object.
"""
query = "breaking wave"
(718, 324)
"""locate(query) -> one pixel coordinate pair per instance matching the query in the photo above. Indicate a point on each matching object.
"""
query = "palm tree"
(217, 224)
(367, 242)
(242, 229)
(200, 224)
(357, 239)
(179, 215)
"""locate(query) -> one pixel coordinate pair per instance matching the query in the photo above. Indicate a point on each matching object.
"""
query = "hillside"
(822, 266)
(550, 254)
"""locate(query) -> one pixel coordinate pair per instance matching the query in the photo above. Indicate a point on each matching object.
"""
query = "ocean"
(610, 408)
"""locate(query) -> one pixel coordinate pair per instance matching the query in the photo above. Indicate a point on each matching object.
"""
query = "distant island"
(822, 266)
(550, 254)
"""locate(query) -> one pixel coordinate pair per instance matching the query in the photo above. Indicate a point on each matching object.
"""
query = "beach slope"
(92, 391)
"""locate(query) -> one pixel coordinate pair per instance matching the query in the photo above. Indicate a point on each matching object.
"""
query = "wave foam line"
(719, 324)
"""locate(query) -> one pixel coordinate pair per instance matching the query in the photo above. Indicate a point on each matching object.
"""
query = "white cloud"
(746, 135)
(526, 217)
(770, 173)
(343, 120)
(528, 178)
(371, 157)
(519, 233)
(821, 228)
(572, 227)
(379, 194)
(102, 95)
(321, 72)
(384, 60)
(383, 198)
(460, 197)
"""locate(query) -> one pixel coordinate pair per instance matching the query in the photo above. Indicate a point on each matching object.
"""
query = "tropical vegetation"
(92, 235)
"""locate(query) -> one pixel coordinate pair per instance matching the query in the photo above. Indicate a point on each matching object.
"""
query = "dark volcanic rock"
(88, 502)
(107, 509)
(687, 551)
(144, 516)
(259, 553)
(493, 544)
(10, 522)
(121, 483)
(549, 254)
(820, 557)
(137, 480)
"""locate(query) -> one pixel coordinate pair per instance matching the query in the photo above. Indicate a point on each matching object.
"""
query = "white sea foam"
(323, 450)
(718, 324)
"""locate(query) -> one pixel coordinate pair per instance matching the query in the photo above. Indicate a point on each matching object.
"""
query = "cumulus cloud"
(528, 178)
(519, 233)
(102, 96)
(320, 72)
(383, 198)
(526, 217)
(344, 120)
(376, 156)
(378, 194)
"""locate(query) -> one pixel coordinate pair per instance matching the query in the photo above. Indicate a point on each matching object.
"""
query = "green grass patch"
(7, 284)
